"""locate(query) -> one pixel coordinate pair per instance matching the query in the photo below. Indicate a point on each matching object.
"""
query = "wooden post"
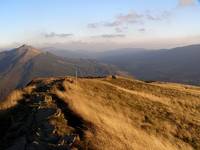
(76, 76)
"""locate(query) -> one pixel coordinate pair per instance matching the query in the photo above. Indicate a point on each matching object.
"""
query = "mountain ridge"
(19, 66)
(169, 65)
(100, 113)
(177, 64)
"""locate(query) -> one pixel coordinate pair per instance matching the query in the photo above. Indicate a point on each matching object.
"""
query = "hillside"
(93, 54)
(19, 66)
(172, 65)
(101, 113)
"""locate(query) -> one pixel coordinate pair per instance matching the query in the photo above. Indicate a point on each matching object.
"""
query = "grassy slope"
(129, 114)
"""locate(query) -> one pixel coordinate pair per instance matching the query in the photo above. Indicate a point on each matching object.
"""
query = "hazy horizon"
(50, 48)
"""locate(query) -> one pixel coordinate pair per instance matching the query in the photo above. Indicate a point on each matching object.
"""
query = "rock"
(37, 146)
(46, 128)
(68, 140)
(51, 139)
(114, 77)
(19, 144)
(44, 113)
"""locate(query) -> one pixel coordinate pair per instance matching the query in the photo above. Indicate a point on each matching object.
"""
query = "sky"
(99, 24)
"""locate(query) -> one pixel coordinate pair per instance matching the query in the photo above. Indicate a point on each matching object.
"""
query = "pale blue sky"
(100, 24)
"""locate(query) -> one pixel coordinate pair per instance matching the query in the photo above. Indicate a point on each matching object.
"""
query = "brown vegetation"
(119, 113)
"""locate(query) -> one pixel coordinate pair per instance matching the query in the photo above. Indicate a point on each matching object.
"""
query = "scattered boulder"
(44, 113)
(114, 77)
(19, 144)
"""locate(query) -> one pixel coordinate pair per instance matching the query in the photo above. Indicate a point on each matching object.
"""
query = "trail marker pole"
(76, 77)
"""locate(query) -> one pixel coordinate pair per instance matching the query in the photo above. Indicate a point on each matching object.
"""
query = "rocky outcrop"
(40, 121)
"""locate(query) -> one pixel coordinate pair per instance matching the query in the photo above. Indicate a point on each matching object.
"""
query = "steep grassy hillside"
(101, 113)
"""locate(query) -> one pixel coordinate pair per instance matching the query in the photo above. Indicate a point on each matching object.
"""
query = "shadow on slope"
(101, 113)
(40, 120)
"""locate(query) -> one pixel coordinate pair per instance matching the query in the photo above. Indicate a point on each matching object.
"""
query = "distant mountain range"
(19, 66)
(92, 54)
(173, 65)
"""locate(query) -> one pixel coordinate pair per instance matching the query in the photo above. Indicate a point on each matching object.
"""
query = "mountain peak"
(27, 48)
(25, 45)
(26, 52)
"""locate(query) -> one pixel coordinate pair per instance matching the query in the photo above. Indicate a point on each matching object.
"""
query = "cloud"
(110, 36)
(158, 17)
(59, 35)
(112, 24)
(130, 18)
(121, 29)
(93, 25)
(142, 30)
(121, 19)
(186, 2)
(103, 24)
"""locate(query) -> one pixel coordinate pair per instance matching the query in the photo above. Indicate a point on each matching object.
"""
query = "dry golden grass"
(15, 96)
(11, 100)
(130, 114)
(125, 113)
